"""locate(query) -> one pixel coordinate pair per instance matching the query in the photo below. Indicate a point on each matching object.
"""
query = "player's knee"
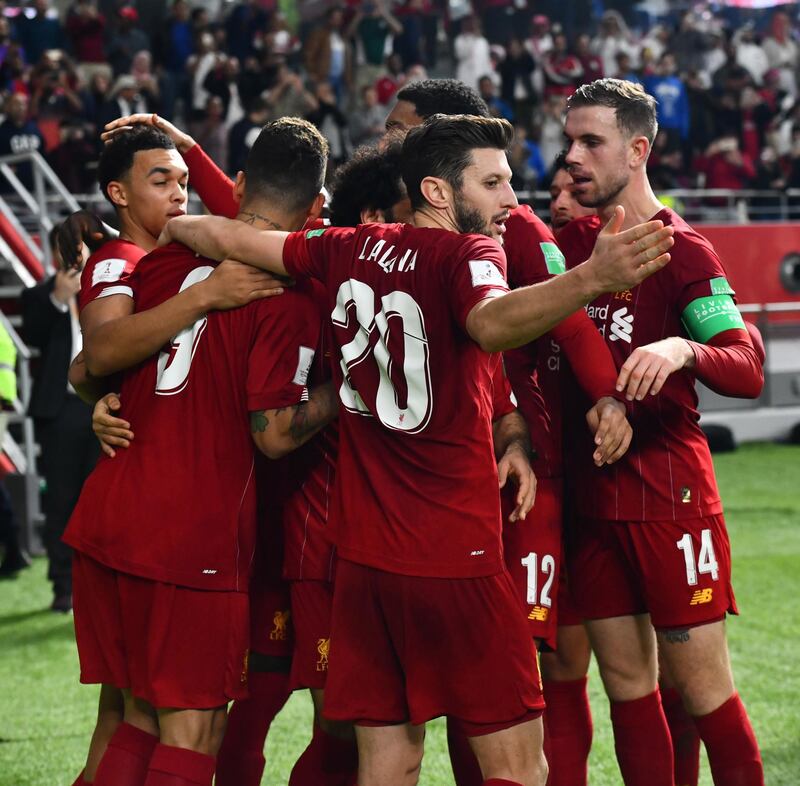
(626, 681)
(196, 730)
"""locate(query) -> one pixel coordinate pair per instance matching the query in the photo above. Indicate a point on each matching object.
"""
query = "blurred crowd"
(726, 79)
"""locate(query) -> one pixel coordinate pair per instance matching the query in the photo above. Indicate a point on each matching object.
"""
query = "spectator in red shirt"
(592, 63)
(86, 28)
(562, 70)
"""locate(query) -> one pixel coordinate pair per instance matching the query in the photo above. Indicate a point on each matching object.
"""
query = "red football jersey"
(416, 486)
(667, 473)
(306, 478)
(535, 369)
(108, 270)
(178, 505)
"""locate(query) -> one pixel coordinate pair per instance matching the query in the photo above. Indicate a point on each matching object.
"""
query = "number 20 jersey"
(416, 484)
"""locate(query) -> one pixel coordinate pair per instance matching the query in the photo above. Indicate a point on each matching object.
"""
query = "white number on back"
(395, 338)
(173, 367)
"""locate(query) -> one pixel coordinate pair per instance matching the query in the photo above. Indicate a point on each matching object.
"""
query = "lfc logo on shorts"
(323, 648)
(280, 622)
(539, 614)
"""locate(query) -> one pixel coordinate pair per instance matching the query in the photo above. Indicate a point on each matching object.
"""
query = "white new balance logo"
(622, 326)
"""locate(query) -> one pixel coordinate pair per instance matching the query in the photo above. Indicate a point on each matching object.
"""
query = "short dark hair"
(559, 163)
(116, 158)
(634, 109)
(443, 97)
(371, 179)
(287, 162)
(442, 147)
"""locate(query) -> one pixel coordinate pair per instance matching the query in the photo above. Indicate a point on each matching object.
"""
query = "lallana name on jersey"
(386, 257)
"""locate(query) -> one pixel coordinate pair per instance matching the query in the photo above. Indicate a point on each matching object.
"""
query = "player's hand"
(621, 260)
(82, 227)
(233, 284)
(647, 368)
(612, 432)
(515, 465)
(111, 431)
(182, 140)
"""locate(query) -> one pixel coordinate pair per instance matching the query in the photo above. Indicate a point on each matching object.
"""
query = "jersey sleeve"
(282, 351)
(309, 253)
(213, 186)
(107, 272)
(503, 400)
(588, 355)
(532, 253)
(702, 294)
(477, 272)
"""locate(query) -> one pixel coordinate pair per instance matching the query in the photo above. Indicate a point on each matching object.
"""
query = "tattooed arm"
(277, 432)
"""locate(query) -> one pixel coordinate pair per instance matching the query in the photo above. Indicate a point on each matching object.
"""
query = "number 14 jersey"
(416, 483)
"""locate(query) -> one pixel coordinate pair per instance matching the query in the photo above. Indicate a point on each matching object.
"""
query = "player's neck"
(430, 218)
(135, 234)
(263, 215)
(639, 201)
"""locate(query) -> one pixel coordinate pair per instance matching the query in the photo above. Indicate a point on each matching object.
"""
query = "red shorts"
(532, 551)
(677, 571)
(568, 613)
(171, 646)
(312, 605)
(271, 629)
(409, 648)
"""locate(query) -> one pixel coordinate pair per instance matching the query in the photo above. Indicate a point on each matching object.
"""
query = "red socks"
(240, 761)
(685, 739)
(80, 781)
(126, 758)
(327, 761)
(568, 731)
(466, 771)
(731, 745)
(171, 766)
(641, 739)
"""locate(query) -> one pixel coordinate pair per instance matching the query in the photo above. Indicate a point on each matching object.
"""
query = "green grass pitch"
(46, 716)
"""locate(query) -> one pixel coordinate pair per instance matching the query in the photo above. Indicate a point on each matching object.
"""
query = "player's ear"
(238, 187)
(371, 216)
(315, 210)
(436, 192)
(640, 150)
(117, 194)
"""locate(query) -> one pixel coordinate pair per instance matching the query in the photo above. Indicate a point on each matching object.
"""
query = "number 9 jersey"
(416, 484)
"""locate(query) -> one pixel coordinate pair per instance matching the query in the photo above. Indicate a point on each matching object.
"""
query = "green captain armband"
(707, 316)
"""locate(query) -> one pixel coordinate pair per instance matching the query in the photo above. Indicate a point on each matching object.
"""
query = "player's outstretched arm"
(512, 445)
(277, 432)
(620, 260)
(222, 238)
(89, 389)
(116, 341)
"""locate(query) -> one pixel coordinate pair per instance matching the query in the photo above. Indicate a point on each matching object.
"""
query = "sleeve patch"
(705, 317)
(720, 286)
(553, 258)
(107, 271)
(485, 274)
(315, 233)
(304, 361)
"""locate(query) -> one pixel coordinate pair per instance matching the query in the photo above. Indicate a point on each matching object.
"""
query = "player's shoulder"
(114, 261)
(523, 219)
(117, 249)
(298, 303)
(686, 237)
(577, 238)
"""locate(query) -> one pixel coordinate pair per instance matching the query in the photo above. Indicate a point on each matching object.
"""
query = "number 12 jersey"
(416, 484)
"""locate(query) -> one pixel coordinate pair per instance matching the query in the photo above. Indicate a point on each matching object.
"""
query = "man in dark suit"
(63, 423)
